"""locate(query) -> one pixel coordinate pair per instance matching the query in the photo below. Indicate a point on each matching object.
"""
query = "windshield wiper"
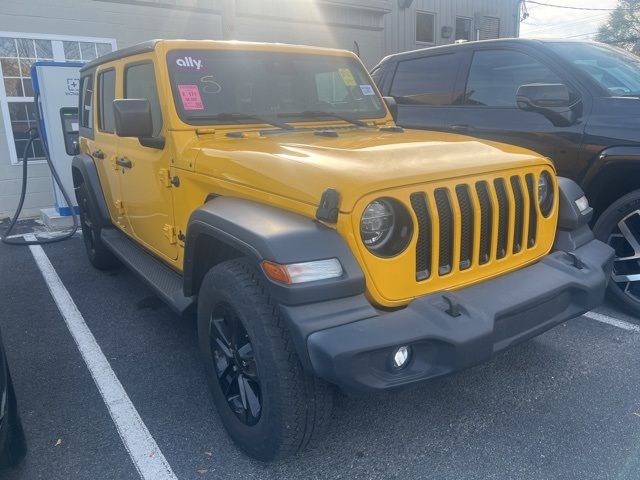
(237, 117)
(322, 113)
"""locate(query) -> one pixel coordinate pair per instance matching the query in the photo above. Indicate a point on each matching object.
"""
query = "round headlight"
(377, 223)
(545, 192)
(386, 227)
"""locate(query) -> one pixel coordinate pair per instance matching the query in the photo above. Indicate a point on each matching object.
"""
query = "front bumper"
(350, 344)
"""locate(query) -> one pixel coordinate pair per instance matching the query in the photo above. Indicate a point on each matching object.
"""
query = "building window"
(425, 27)
(463, 28)
(18, 52)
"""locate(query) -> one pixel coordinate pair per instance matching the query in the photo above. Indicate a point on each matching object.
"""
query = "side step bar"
(163, 280)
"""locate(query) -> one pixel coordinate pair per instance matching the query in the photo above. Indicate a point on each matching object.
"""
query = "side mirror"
(392, 105)
(551, 100)
(133, 117)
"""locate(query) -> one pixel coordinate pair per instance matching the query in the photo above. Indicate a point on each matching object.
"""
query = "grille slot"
(516, 187)
(445, 215)
(425, 232)
(466, 226)
(486, 221)
(533, 212)
(503, 218)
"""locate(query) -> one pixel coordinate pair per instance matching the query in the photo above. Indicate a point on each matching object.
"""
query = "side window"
(425, 81)
(86, 102)
(495, 76)
(106, 94)
(140, 82)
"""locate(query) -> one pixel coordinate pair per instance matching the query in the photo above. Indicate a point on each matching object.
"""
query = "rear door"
(98, 89)
(147, 197)
(488, 107)
(425, 89)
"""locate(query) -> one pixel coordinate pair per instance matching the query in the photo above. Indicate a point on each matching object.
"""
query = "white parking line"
(599, 317)
(142, 448)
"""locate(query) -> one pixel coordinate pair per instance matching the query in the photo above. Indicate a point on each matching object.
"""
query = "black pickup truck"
(576, 102)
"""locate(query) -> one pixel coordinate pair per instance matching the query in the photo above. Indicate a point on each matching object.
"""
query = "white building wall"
(374, 27)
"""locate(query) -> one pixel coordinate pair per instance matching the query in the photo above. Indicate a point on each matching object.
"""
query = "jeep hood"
(301, 165)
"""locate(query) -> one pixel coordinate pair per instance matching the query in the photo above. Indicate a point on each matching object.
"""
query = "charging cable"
(33, 134)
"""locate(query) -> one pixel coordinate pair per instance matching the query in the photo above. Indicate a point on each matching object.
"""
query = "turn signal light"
(302, 272)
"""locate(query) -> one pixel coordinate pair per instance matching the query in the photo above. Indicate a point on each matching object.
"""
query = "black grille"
(533, 212)
(503, 218)
(519, 213)
(423, 246)
(486, 221)
(466, 226)
(445, 215)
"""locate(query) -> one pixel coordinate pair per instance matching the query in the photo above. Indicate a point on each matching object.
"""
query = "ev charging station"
(56, 86)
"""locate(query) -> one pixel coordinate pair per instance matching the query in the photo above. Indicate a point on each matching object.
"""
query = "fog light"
(401, 357)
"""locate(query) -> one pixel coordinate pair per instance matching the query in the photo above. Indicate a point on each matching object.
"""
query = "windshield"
(614, 69)
(214, 86)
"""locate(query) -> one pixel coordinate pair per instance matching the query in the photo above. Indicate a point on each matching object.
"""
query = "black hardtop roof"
(144, 47)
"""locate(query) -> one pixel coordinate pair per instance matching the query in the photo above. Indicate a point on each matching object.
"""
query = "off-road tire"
(99, 255)
(13, 445)
(296, 406)
(604, 228)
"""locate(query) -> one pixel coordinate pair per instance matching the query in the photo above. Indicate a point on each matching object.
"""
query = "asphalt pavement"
(565, 405)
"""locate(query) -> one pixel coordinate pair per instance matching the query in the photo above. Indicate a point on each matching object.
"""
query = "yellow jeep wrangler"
(268, 187)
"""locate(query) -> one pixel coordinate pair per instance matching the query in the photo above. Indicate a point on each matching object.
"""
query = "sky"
(563, 23)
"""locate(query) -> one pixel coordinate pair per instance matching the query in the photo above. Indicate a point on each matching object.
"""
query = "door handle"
(123, 162)
(462, 128)
(98, 154)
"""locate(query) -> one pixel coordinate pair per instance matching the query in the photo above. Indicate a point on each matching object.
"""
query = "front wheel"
(268, 404)
(619, 226)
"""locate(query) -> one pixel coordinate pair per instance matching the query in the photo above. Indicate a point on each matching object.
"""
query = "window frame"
(137, 63)
(415, 30)
(98, 97)
(570, 85)
(58, 56)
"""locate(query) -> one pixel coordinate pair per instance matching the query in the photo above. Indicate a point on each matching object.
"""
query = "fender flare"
(85, 172)
(261, 232)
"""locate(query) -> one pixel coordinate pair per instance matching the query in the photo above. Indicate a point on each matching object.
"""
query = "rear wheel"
(99, 255)
(270, 407)
(619, 226)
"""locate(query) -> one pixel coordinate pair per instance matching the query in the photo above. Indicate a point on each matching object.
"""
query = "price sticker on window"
(190, 96)
(347, 77)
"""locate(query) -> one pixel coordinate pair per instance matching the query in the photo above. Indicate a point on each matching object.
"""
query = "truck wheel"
(619, 226)
(268, 404)
(99, 255)
(13, 446)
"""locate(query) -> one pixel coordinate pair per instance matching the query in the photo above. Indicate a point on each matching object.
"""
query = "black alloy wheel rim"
(234, 364)
(86, 224)
(625, 240)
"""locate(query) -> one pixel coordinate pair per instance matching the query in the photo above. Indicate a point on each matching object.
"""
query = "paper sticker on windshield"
(347, 77)
(367, 90)
(190, 95)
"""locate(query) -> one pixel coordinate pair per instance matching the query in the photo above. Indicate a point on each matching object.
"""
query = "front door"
(146, 197)
(488, 108)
